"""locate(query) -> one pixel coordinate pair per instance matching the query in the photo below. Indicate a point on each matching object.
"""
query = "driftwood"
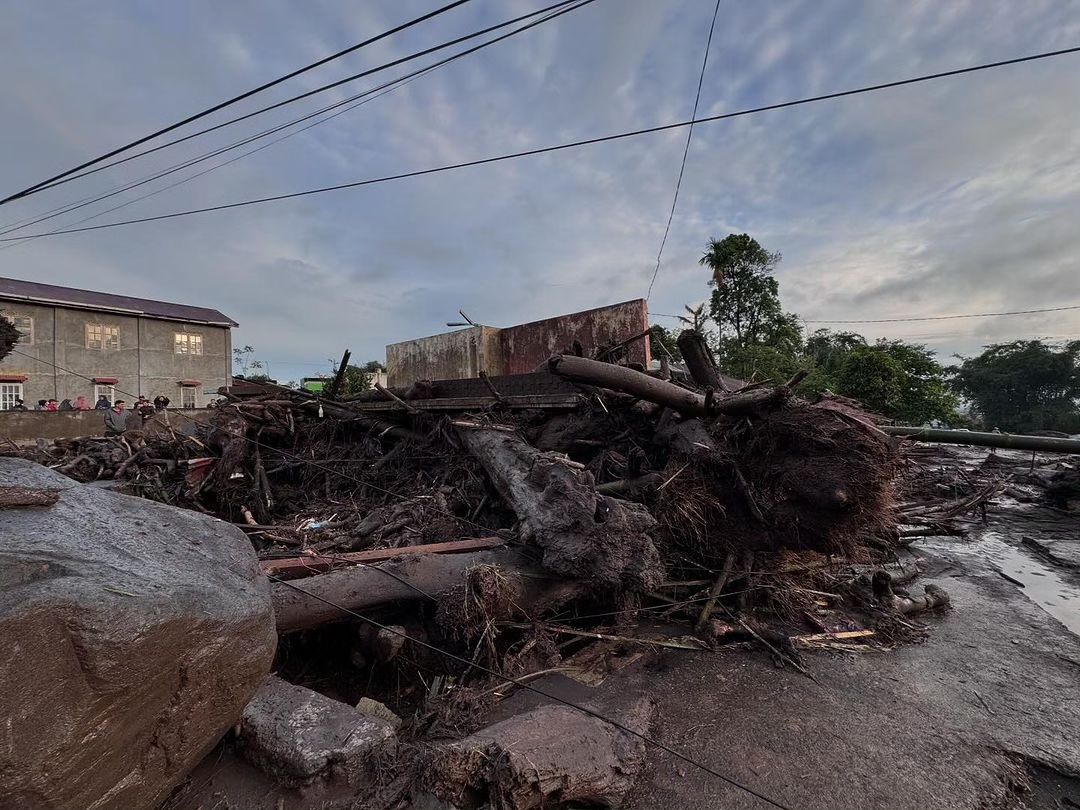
(882, 584)
(428, 576)
(699, 361)
(582, 534)
(308, 564)
(21, 497)
(630, 486)
(629, 381)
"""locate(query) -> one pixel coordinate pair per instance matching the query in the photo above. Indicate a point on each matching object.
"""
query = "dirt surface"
(947, 723)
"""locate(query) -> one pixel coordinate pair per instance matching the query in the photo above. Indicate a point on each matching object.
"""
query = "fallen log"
(583, 534)
(630, 486)
(319, 599)
(882, 584)
(642, 386)
(1007, 441)
(308, 564)
(699, 361)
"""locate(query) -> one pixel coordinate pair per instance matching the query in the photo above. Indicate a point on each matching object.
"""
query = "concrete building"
(519, 349)
(90, 343)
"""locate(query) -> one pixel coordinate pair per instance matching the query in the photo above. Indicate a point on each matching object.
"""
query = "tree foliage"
(662, 343)
(1024, 385)
(355, 380)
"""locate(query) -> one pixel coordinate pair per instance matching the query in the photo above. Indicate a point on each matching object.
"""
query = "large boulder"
(133, 634)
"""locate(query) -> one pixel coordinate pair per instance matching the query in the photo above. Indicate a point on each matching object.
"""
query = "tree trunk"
(315, 600)
(699, 360)
(584, 535)
(642, 386)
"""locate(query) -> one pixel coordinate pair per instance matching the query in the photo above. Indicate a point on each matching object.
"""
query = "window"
(9, 392)
(24, 325)
(107, 391)
(99, 336)
(185, 343)
(188, 396)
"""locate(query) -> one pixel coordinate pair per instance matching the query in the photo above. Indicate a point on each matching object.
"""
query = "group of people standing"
(117, 417)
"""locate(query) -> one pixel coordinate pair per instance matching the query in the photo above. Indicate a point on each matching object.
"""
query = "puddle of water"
(1043, 585)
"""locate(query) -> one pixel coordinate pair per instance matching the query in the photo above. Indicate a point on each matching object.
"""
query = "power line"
(304, 95)
(536, 690)
(943, 317)
(686, 151)
(37, 187)
(517, 682)
(563, 146)
(360, 98)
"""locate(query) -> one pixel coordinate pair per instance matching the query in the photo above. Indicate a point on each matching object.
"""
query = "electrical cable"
(517, 682)
(558, 147)
(359, 98)
(649, 740)
(951, 317)
(686, 151)
(309, 93)
(423, 18)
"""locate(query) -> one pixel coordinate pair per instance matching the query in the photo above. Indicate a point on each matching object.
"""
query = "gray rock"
(296, 733)
(551, 755)
(134, 634)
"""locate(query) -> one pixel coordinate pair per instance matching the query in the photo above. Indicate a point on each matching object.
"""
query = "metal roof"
(34, 292)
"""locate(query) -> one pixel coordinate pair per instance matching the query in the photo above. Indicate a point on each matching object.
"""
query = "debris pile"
(519, 521)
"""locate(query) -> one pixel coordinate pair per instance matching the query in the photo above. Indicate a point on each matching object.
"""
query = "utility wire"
(360, 98)
(536, 690)
(951, 317)
(306, 94)
(38, 186)
(426, 645)
(564, 146)
(686, 151)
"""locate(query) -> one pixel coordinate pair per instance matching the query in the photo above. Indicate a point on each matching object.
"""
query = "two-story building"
(76, 342)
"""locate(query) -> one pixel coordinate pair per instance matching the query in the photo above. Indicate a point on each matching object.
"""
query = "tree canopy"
(1024, 385)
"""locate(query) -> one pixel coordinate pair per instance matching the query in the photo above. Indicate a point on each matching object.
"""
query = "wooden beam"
(306, 565)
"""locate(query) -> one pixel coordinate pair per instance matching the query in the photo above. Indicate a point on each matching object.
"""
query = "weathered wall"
(526, 346)
(27, 426)
(144, 364)
(450, 356)
(517, 349)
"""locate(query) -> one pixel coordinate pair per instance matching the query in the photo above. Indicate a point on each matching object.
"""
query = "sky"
(956, 196)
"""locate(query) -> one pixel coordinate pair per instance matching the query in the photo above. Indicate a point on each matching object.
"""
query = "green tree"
(354, 381)
(662, 343)
(1024, 385)
(745, 306)
(373, 366)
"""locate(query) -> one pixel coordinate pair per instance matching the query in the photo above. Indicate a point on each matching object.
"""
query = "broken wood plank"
(306, 564)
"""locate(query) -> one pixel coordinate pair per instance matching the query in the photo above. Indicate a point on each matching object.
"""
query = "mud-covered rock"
(552, 755)
(292, 732)
(133, 635)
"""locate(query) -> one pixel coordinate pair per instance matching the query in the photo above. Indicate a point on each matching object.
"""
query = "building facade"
(77, 342)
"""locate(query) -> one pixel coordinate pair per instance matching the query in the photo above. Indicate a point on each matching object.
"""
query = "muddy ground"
(983, 714)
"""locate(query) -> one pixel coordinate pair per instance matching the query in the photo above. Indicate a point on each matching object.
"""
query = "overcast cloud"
(958, 196)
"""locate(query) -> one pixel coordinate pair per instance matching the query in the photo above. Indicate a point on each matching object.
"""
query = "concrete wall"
(28, 426)
(145, 362)
(526, 346)
(517, 349)
(450, 356)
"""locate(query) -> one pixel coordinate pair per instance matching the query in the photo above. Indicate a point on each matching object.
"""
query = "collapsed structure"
(472, 531)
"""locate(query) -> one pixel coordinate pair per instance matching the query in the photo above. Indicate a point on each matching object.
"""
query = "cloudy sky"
(958, 196)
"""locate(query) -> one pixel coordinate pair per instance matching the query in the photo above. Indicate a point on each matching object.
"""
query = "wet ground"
(984, 714)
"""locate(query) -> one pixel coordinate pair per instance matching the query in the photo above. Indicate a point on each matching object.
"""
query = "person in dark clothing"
(161, 402)
(65, 405)
(145, 409)
(41, 404)
(116, 419)
(103, 403)
(18, 406)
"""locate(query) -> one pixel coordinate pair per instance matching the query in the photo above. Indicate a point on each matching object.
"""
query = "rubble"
(514, 521)
(134, 635)
(299, 734)
(550, 756)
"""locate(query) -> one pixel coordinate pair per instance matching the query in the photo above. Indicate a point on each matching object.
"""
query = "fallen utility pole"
(1007, 441)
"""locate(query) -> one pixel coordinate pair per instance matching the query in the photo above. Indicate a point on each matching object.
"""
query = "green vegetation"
(1020, 386)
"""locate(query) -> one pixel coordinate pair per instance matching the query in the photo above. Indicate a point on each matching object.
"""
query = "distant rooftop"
(14, 290)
